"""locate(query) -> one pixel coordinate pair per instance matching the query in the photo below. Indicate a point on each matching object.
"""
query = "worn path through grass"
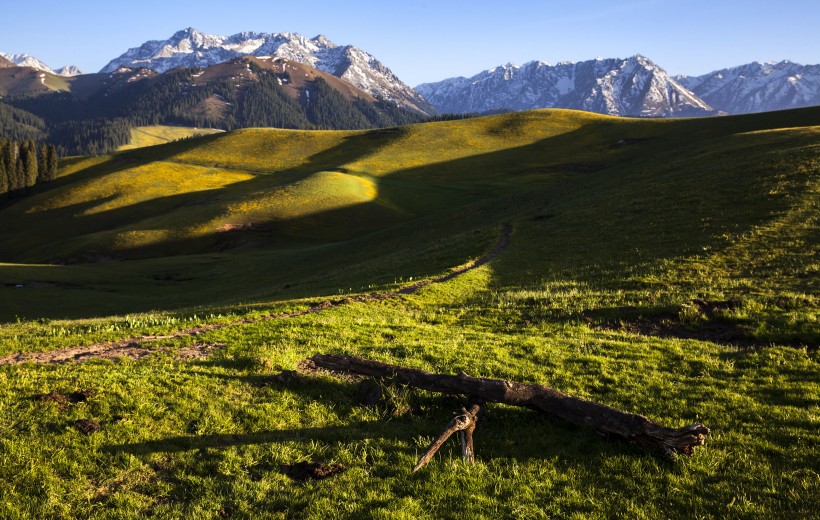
(133, 347)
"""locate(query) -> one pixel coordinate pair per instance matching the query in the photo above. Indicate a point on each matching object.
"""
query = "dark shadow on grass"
(355, 431)
(503, 431)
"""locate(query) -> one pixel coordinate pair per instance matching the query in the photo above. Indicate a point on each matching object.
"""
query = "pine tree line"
(24, 164)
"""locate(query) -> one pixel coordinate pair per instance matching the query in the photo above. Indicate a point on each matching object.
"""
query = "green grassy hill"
(664, 267)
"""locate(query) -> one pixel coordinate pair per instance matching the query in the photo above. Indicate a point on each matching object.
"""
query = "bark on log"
(603, 418)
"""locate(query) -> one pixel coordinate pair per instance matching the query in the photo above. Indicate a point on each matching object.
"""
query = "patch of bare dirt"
(63, 400)
(667, 323)
(303, 471)
(128, 349)
(87, 426)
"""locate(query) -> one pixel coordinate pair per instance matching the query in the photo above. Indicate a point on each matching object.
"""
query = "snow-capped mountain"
(192, 48)
(68, 71)
(758, 87)
(628, 87)
(26, 60)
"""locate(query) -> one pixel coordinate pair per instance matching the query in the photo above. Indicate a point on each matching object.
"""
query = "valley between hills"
(666, 267)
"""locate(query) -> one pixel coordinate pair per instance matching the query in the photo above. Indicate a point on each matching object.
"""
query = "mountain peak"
(322, 41)
(192, 48)
(188, 31)
(68, 71)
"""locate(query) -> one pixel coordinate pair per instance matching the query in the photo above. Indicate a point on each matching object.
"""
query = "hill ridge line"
(133, 347)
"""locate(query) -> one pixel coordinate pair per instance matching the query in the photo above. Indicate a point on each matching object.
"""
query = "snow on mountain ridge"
(26, 60)
(633, 86)
(192, 48)
(758, 87)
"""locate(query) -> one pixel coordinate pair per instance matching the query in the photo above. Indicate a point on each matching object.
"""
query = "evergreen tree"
(42, 163)
(29, 154)
(19, 181)
(51, 162)
(4, 182)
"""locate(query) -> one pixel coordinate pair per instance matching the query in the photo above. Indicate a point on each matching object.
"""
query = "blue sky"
(429, 40)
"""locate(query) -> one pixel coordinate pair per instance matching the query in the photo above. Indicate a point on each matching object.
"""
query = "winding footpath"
(135, 348)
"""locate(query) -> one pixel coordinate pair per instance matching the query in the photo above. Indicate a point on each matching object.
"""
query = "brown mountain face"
(4, 63)
(86, 85)
(294, 77)
(26, 81)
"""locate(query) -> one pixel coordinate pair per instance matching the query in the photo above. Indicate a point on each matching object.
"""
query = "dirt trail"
(134, 347)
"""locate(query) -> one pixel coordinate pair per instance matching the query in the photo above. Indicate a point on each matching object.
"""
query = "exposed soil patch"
(133, 348)
(63, 400)
(729, 334)
(303, 471)
(667, 323)
(129, 349)
(87, 426)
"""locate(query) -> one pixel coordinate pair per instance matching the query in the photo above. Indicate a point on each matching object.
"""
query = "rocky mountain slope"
(192, 48)
(758, 87)
(627, 87)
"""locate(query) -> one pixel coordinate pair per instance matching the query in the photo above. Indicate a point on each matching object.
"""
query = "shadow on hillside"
(504, 432)
(563, 176)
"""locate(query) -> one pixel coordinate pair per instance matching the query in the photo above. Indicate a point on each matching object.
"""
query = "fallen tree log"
(602, 418)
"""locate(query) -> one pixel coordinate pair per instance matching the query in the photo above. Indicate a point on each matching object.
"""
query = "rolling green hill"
(246, 194)
(665, 267)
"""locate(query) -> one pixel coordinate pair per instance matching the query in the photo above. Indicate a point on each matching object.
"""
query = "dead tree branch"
(602, 418)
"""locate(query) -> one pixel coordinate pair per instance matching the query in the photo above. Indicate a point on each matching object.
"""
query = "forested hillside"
(96, 116)
(24, 164)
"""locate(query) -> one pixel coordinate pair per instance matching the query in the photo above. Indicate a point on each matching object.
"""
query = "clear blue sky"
(429, 40)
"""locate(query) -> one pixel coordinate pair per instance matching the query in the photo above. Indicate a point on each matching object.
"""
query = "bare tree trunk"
(602, 418)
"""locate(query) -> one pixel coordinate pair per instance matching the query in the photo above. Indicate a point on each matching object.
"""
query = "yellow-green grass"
(624, 233)
(142, 136)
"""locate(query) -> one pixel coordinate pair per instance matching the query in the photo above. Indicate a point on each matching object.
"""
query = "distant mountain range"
(290, 81)
(758, 87)
(631, 87)
(25, 60)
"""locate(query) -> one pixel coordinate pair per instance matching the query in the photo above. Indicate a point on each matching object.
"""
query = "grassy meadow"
(663, 267)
